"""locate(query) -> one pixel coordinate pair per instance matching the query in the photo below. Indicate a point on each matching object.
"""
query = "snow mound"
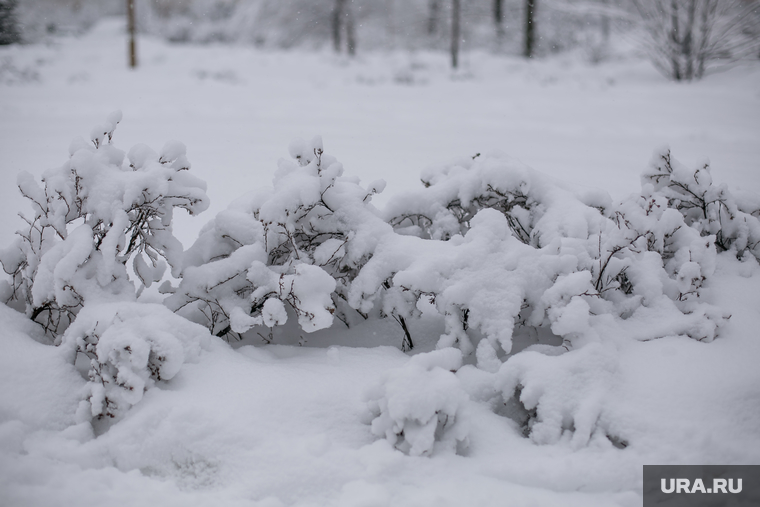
(421, 407)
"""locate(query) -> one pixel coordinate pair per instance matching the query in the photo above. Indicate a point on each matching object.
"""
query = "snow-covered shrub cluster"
(131, 346)
(493, 248)
(92, 216)
(499, 249)
(295, 246)
(506, 248)
(422, 404)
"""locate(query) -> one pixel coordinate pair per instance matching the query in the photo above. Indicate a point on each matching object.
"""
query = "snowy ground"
(282, 425)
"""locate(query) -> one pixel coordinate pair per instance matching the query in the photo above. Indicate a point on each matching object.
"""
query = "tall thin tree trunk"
(687, 42)
(350, 31)
(131, 29)
(605, 24)
(530, 28)
(343, 19)
(705, 33)
(433, 16)
(337, 22)
(390, 24)
(498, 17)
(455, 32)
(675, 40)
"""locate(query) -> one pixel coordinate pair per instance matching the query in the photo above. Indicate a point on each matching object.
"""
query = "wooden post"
(131, 31)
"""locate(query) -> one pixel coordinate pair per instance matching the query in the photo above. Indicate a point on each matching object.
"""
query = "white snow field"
(255, 424)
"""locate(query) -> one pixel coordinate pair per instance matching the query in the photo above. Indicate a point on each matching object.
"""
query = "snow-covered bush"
(91, 217)
(131, 346)
(511, 249)
(297, 245)
(662, 251)
(708, 208)
(495, 248)
(455, 193)
(422, 404)
(499, 249)
(562, 396)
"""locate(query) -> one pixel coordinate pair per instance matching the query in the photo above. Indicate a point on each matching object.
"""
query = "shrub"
(563, 395)
(131, 347)
(414, 418)
(91, 217)
(710, 209)
(496, 247)
(297, 246)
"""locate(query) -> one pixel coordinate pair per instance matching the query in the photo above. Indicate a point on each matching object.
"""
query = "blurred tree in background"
(343, 25)
(684, 38)
(131, 32)
(456, 31)
(530, 28)
(9, 32)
